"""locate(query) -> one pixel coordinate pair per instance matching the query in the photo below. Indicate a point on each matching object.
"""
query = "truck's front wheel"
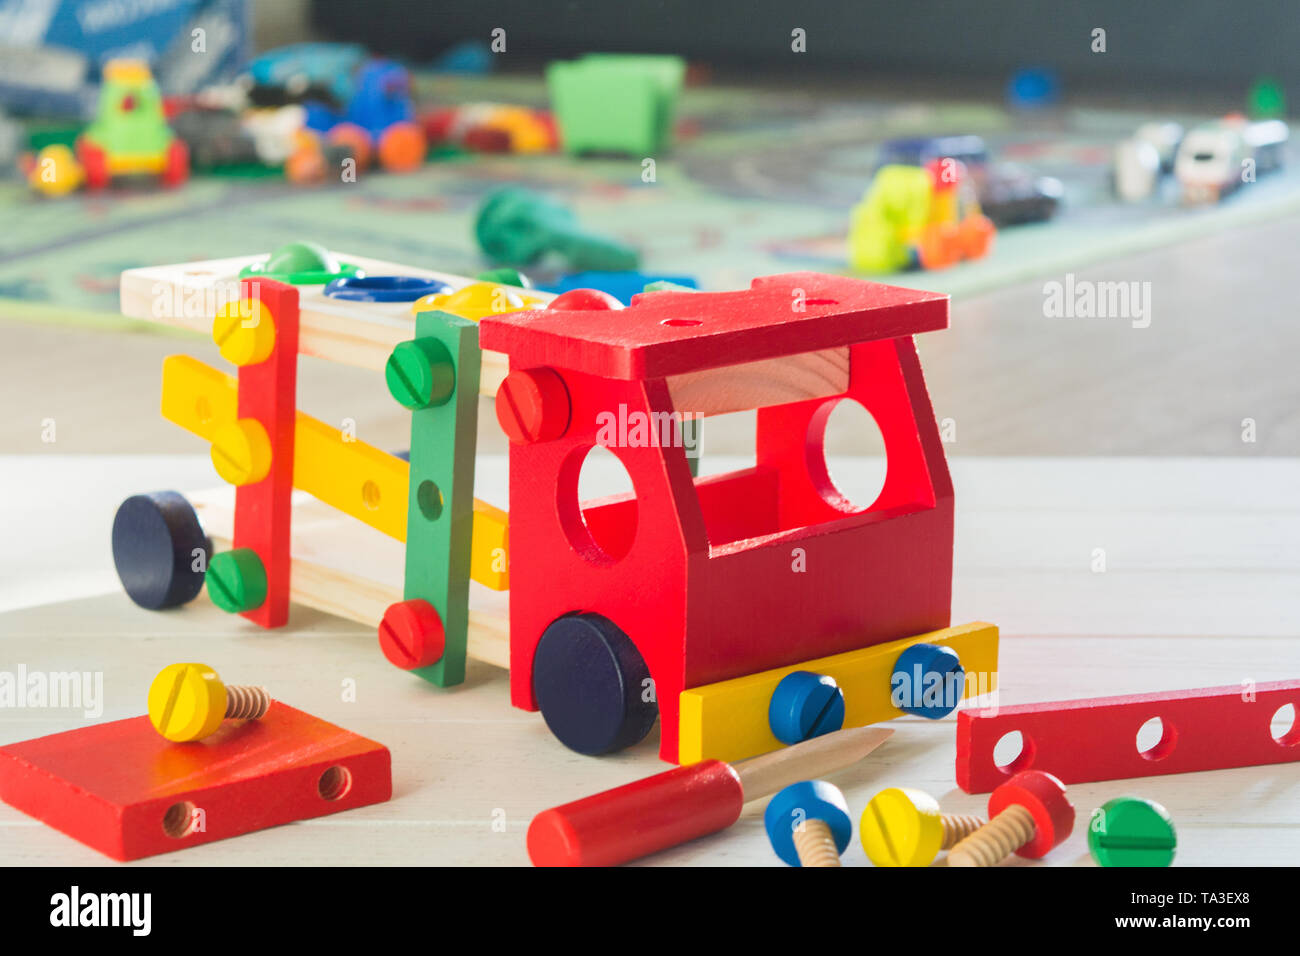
(592, 685)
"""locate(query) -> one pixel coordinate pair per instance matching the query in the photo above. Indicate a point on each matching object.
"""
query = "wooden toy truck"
(687, 600)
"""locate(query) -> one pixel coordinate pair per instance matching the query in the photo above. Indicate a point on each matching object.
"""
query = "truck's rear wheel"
(592, 685)
(160, 550)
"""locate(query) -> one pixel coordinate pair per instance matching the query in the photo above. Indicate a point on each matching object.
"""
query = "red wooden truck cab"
(713, 578)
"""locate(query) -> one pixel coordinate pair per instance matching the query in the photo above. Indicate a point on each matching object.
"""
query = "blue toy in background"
(304, 69)
(1034, 87)
(621, 285)
(379, 118)
(472, 57)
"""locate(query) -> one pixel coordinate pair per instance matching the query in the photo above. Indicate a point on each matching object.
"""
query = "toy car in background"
(491, 128)
(1009, 195)
(1212, 159)
(379, 119)
(1141, 160)
(304, 71)
(129, 138)
(918, 217)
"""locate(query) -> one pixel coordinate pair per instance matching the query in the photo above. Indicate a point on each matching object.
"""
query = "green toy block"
(615, 103)
(440, 509)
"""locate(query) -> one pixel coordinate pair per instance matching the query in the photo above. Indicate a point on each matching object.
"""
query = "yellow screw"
(241, 452)
(245, 332)
(189, 702)
(904, 827)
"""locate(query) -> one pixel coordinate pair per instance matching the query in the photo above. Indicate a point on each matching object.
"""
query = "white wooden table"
(1200, 588)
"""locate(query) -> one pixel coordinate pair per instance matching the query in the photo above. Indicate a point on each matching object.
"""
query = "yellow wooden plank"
(728, 720)
(356, 478)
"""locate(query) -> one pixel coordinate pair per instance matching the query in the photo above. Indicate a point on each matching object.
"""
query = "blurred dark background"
(1171, 45)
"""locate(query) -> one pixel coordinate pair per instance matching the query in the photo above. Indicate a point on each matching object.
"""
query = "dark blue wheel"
(592, 686)
(160, 550)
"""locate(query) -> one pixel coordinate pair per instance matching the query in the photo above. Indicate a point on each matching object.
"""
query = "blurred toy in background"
(615, 103)
(1215, 159)
(1008, 194)
(1141, 160)
(321, 72)
(469, 57)
(517, 227)
(925, 217)
(12, 137)
(129, 138)
(379, 120)
(622, 284)
(1033, 87)
(491, 128)
(51, 51)
(47, 81)
(1266, 99)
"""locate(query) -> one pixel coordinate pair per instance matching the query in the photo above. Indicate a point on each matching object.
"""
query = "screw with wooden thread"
(1028, 816)
(808, 824)
(189, 702)
(903, 827)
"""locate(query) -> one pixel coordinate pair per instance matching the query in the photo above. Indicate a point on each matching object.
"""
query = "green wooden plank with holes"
(437, 375)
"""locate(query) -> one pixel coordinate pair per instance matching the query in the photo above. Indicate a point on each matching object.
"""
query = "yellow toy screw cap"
(244, 330)
(187, 701)
(241, 452)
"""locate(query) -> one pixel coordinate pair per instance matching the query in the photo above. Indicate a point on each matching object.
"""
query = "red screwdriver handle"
(638, 819)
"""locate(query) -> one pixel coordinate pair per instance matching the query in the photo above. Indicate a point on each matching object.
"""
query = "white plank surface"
(1200, 588)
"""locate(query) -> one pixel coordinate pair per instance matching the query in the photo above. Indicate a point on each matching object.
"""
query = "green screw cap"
(236, 580)
(301, 263)
(420, 374)
(1130, 831)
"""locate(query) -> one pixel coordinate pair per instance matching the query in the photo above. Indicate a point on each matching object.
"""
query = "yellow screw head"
(476, 301)
(187, 702)
(901, 827)
(244, 329)
(241, 452)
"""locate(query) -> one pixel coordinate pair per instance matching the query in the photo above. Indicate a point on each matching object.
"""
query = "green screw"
(420, 374)
(236, 580)
(1130, 831)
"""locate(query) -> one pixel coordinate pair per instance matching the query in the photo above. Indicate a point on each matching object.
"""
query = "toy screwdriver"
(670, 808)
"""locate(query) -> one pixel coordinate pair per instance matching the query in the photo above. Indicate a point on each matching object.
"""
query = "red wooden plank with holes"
(111, 785)
(1085, 740)
(268, 393)
(668, 333)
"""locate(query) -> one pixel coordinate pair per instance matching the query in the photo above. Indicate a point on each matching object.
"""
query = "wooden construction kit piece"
(670, 808)
(707, 590)
(728, 720)
(904, 827)
(123, 789)
(255, 452)
(808, 824)
(436, 376)
(1029, 815)
(701, 577)
(1081, 741)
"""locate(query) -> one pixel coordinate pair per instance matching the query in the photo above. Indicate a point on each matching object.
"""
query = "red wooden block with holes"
(698, 573)
(1085, 740)
(268, 393)
(124, 790)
